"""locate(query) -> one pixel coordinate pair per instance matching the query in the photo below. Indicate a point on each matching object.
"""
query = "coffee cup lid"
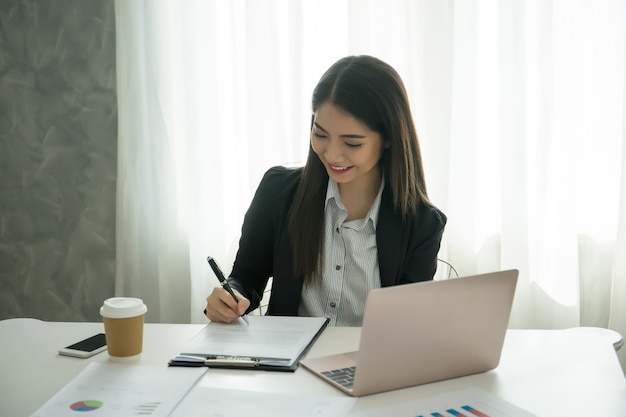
(122, 307)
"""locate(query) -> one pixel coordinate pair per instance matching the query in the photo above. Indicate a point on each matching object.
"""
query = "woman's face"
(349, 150)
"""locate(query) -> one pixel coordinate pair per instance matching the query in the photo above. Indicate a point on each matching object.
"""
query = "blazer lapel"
(390, 239)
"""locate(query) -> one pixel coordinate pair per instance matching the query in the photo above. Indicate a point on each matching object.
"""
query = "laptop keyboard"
(343, 376)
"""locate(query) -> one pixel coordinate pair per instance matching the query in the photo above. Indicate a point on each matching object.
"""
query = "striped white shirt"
(350, 264)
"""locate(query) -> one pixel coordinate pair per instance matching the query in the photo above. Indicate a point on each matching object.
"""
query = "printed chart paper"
(107, 390)
(470, 402)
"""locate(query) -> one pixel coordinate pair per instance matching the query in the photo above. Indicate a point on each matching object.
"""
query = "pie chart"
(87, 405)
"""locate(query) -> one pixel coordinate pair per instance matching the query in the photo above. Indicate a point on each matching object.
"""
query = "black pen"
(223, 282)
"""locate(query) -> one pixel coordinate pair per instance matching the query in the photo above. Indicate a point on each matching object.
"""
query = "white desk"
(547, 372)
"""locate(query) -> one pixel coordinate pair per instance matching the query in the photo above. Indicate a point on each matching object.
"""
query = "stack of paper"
(271, 343)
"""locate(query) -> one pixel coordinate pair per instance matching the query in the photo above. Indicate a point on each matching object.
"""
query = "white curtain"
(519, 106)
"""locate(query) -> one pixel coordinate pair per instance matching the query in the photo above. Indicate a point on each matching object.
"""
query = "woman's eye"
(353, 145)
(319, 135)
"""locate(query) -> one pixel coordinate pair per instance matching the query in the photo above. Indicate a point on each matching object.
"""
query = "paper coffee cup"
(123, 326)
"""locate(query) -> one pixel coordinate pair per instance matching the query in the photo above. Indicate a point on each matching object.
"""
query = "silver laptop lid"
(430, 331)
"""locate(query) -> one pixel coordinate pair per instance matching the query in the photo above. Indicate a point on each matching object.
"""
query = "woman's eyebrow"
(317, 125)
(347, 135)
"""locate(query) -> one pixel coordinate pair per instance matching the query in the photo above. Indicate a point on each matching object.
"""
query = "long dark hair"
(372, 92)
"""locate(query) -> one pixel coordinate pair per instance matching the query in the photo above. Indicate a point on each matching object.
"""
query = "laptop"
(424, 332)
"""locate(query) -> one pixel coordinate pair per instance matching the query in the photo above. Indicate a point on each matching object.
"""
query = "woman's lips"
(339, 170)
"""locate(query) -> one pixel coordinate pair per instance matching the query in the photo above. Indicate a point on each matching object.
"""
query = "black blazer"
(407, 251)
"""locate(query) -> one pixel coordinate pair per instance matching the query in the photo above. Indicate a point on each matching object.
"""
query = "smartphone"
(86, 347)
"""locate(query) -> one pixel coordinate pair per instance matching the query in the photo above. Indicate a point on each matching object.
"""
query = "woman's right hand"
(221, 307)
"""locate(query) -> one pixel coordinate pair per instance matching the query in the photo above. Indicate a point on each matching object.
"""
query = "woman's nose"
(333, 151)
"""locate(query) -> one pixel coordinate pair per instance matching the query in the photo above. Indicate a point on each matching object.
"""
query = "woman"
(354, 218)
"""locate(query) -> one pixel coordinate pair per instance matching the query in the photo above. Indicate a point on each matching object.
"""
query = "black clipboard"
(248, 362)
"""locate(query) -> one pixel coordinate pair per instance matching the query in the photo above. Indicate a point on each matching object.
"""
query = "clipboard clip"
(231, 361)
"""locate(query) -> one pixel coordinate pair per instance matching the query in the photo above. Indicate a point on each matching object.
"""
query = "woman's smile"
(338, 169)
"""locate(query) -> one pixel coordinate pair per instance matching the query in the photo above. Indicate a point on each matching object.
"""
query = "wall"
(58, 142)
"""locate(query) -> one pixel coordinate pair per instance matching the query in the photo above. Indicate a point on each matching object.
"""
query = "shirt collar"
(332, 192)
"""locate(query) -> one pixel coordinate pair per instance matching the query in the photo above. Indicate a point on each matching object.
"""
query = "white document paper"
(215, 402)
(469, 402)
(112, 390)
(270, 339)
